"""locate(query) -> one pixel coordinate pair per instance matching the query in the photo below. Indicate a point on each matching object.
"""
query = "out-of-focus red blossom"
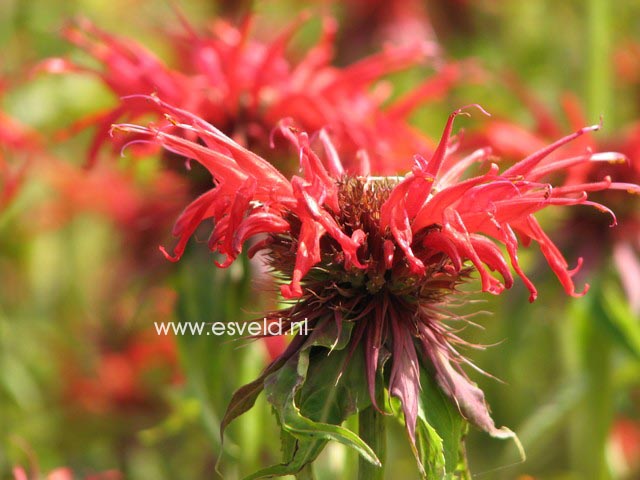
(597, 240)
(18, 145)
(369, 23)
(382, 252)
(625, 446)
(626, 60)
(142, 213)
(246, 87)
(64, 473)
(126, 375)
(140, 210)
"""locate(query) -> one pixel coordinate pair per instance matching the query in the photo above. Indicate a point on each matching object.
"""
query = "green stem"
(591, 350)
(592, 419)
(598, 32)
(372, 430)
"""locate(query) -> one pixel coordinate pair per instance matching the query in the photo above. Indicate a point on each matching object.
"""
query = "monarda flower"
(370, 263)
(246, 86)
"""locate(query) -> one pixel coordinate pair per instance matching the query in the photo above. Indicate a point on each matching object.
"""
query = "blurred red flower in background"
(141, 211)
(64, 473)
(246, 87)
(625, 447)
(126, 374)
(18, 145)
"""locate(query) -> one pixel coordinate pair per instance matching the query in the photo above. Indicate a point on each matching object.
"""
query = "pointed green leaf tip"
(312, 393)
(440, 432)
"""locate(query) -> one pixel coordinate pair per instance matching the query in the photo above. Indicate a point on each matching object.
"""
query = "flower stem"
(590, 359)
(372, 430)
(598, 32)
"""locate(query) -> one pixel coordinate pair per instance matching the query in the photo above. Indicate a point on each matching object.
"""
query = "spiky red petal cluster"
(511, 140)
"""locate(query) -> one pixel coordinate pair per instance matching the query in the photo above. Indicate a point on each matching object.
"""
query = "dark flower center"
(387, 272)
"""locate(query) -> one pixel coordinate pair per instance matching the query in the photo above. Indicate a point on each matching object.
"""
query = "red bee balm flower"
(246, 87)
(369, 261)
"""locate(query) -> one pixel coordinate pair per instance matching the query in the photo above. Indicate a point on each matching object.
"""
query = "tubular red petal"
(555, 259)
(455, 229)
(245, 159)
(525, 166)
(349, 245)
(191, 218)
(258, 222)
(442, 243)
(401, 230)
(241, 200)
(389, 250)
(307, 255)
(454, 172)
(511, 243)
(438, 156)
(335, 166)
(433, 210)
(491, 255)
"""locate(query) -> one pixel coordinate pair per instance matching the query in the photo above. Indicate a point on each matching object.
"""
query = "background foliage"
(86, 383)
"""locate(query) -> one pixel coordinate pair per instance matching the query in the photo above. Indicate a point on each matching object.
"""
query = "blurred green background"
(86, 383)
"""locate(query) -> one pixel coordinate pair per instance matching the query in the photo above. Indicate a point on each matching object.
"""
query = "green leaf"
(313, 393)
(245, 397)
(428, 450)
(619, 319)
(305, 454)
(440, 433)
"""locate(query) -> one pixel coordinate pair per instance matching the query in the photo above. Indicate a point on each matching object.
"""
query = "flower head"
(377, 254)
(245, 87)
